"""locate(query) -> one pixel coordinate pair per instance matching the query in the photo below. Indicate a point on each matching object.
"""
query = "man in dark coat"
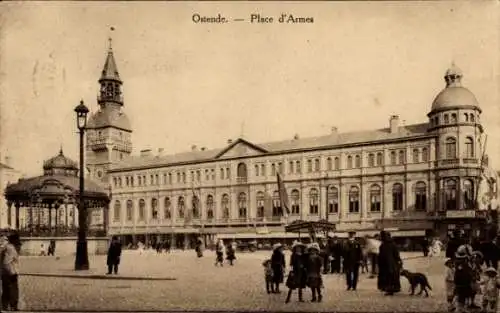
(389, 265)
(353, 256)
(336, 253)
(114, 254)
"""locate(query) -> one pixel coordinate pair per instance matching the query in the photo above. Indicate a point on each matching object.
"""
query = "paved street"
(186, 282)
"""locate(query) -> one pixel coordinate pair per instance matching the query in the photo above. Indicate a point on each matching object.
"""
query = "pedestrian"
(450, 284)
(114, 254)
(436, 247)
(336, 253)
(389, 265)
(297, 277)
(199, 247)
(314, 279)
(476, 263)
(42, 250)
(454, 242)
(353, 256)
(10, 271)
(52, 248)
(425, 246)
(268, 276)
(462, 280)
(230, 254)
(491, 287)
(219, 253)
(278, 265)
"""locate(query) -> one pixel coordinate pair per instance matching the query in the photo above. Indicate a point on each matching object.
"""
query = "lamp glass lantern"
(81, 115)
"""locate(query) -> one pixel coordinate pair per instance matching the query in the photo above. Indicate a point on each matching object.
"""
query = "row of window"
(168, 178)
(451, 151)
(453, 119)
(273, 202)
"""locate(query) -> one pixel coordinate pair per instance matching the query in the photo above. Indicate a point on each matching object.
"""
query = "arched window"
(316, 165)
(256, 170)
(130, 209)
(228, 173)
(242, 205)
(198, 175)
(298, 170)
(416, 155)
(337, 163)
(380, 159)
(371, 160)
(181, 207)
(397, 197)
(453, 118)
(210, 207)
(468, 192)
(469, 148)
(436, 121)
(225, 206)
(241, 171)
(354, 200)
(466, 117)
(273, 169)
(154, 208)
(375, 198)
(357, 161)
(313, 201)
(260, 204)
(329, 165)
(167, 204)
(451, 148)
(195, 204)
(280, 167)
(290, 167)
(425, 155)
(472, 119)
(420, 197)
(221, 173)
(349, 162)
(295, 197)
(263, 169)
(139, 182)
(446, 119)
(393, 157)
(117, 210)
(402, 158)
(309, 166)
(333, 200)
(277, 204)
(450, 194)
(142, 209)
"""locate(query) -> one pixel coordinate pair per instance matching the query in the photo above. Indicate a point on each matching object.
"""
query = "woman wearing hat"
(314, 280)
(463, 279)
(278, 266)
(389, 265)
(297, 278)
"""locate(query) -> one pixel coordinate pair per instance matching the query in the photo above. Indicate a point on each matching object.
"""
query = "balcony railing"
(470, 161)
(241, 180)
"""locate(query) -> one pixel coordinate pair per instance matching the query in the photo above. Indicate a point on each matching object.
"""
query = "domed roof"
(60, 161)
(454, 94)
(109, 116)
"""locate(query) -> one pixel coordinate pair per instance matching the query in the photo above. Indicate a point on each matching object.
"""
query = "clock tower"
(108, 130)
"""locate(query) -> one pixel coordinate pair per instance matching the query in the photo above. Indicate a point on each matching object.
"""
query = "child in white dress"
(491, 284)
(450, 284)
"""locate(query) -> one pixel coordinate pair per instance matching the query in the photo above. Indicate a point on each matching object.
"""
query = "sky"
(189, 83)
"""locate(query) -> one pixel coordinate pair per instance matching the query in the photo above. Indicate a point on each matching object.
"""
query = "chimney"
(7, 160)
(146, 153)
(394, 123)
(229, 141)
(296, 136)
(193, 148)
(203, 148)
(160, 151)
(334, 130)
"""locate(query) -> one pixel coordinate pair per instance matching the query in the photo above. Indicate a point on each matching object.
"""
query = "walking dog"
(415, 280)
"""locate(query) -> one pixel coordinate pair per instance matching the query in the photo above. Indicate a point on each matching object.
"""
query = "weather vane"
(110, 39)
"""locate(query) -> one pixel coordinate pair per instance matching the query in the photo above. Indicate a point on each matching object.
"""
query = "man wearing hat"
(10, 269)
(353, 256)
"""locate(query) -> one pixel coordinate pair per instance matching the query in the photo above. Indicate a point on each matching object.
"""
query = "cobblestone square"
(181, 281)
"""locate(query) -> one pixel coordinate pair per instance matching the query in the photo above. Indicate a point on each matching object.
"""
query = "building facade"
(409, 177)
(8, 175)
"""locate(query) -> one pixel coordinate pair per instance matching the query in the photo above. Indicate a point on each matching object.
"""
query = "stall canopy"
(310, 227)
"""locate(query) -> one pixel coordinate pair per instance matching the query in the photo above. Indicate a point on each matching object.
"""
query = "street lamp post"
(82, 257)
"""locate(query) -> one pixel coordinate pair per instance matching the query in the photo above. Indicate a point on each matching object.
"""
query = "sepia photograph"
(249, 156)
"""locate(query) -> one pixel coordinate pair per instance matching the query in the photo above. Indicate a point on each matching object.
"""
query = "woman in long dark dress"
(278, 266)
(114, 254)
(314, 279)
(389, 265)
(297, 278)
